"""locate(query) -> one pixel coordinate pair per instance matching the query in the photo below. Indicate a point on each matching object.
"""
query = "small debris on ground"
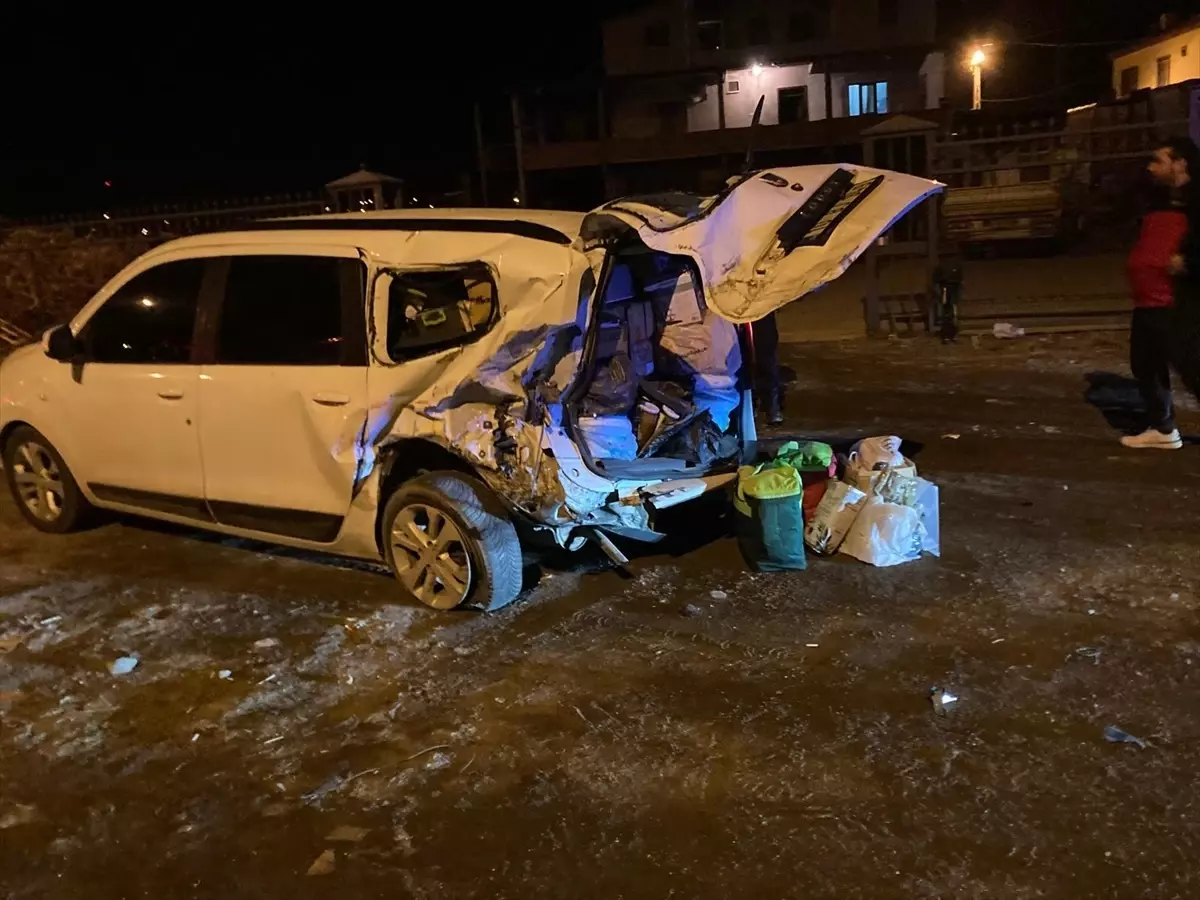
(692, 611)
(1115, 735)
(324, 864)
(438, 761)
(951, 437)
(1051, 429)
(225, 674)
(19, 814)
(718, 595)
(123, 666)
(1006, 330)
(943, 701)
(266, 643)
(327, 787)
(1092, 653)
(346, 834)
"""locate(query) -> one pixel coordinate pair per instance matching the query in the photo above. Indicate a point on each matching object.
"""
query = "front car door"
(283, 390)
(131, 398)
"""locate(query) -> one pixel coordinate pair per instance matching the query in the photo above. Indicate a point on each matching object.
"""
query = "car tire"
(43, 487)
(478, 563)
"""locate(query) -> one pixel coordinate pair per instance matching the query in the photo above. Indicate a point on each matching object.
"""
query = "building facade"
(1170, 57)
(682, 80)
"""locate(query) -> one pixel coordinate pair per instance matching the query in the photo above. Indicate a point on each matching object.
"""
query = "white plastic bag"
(926, 503)
(833, 517)
(885, 534)
(609, 437)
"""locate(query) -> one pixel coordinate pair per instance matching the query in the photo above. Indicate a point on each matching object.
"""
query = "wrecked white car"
(426, 386)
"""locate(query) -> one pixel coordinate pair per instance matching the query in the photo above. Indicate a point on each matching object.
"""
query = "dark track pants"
(1161, 340)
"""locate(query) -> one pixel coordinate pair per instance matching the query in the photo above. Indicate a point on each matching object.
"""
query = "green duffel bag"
(770, 517)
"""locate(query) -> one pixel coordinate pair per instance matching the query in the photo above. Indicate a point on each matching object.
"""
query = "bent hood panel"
(776, 235)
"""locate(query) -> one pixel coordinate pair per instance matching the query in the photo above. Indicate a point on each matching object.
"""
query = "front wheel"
(45, 491)
(451, 543)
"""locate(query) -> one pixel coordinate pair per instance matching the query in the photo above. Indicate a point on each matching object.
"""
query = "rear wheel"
(451, 543)
(41, 483)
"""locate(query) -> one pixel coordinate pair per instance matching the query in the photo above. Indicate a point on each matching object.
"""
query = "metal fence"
(1069, 184)
(174, 220)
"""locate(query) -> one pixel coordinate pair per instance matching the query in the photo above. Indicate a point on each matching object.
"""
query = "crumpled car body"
(514, 403)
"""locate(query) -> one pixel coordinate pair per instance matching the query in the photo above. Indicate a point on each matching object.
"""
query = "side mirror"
(61, 345)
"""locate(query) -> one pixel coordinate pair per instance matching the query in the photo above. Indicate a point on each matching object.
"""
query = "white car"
(416, 386)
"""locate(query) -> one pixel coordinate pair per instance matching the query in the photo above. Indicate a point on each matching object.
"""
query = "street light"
(978, 58)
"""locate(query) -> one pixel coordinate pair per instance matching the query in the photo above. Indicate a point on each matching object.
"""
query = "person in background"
(1164, 274)
(766, 368)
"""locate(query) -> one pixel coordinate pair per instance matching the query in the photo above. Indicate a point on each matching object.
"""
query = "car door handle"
(171, 394)
(325, 398)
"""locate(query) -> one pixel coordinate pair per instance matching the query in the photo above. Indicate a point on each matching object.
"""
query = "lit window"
(867, 99)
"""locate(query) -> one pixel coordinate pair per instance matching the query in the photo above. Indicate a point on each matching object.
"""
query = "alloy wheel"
(39, 481)
(430, 556)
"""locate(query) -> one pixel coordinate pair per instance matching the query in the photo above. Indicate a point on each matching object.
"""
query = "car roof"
(554, 226)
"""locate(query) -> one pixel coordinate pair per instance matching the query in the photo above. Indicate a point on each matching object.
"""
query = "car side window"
(151, 319)
(434, 310)
(287, 310)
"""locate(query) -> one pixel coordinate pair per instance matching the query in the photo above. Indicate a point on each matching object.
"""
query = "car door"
(131, 399)
(283, 390)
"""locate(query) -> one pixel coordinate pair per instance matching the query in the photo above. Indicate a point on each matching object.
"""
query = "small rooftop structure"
(365, 191)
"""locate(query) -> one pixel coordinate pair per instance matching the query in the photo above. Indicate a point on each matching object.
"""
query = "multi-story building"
(682, 79)
(1169, 57)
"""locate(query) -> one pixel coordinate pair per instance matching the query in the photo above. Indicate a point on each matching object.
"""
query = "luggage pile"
(879, 511)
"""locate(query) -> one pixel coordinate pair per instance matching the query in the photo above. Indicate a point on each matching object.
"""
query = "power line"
(1065, 44)
(1048, 93)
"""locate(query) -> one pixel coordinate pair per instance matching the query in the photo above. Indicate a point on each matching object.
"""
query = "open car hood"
(770, 237)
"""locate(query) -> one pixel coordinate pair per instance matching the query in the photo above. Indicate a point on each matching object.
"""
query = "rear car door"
(131, 402)
(283, 391)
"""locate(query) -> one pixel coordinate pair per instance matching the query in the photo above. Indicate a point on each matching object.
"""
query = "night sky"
(218, 103)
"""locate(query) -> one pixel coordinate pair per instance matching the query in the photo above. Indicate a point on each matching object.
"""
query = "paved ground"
(600, 739)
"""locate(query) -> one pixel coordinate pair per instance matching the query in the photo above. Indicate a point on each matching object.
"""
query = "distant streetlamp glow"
(978, 58)
(756, 69)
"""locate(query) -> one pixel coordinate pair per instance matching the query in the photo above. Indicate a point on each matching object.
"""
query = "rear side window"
(434, 310)
(288, 310)
(150, 320)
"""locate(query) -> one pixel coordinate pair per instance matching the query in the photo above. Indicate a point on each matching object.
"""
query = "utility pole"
(520, 149)
(481, 155)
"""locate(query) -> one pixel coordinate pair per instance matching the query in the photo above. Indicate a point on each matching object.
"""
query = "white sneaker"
(1153, 439)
